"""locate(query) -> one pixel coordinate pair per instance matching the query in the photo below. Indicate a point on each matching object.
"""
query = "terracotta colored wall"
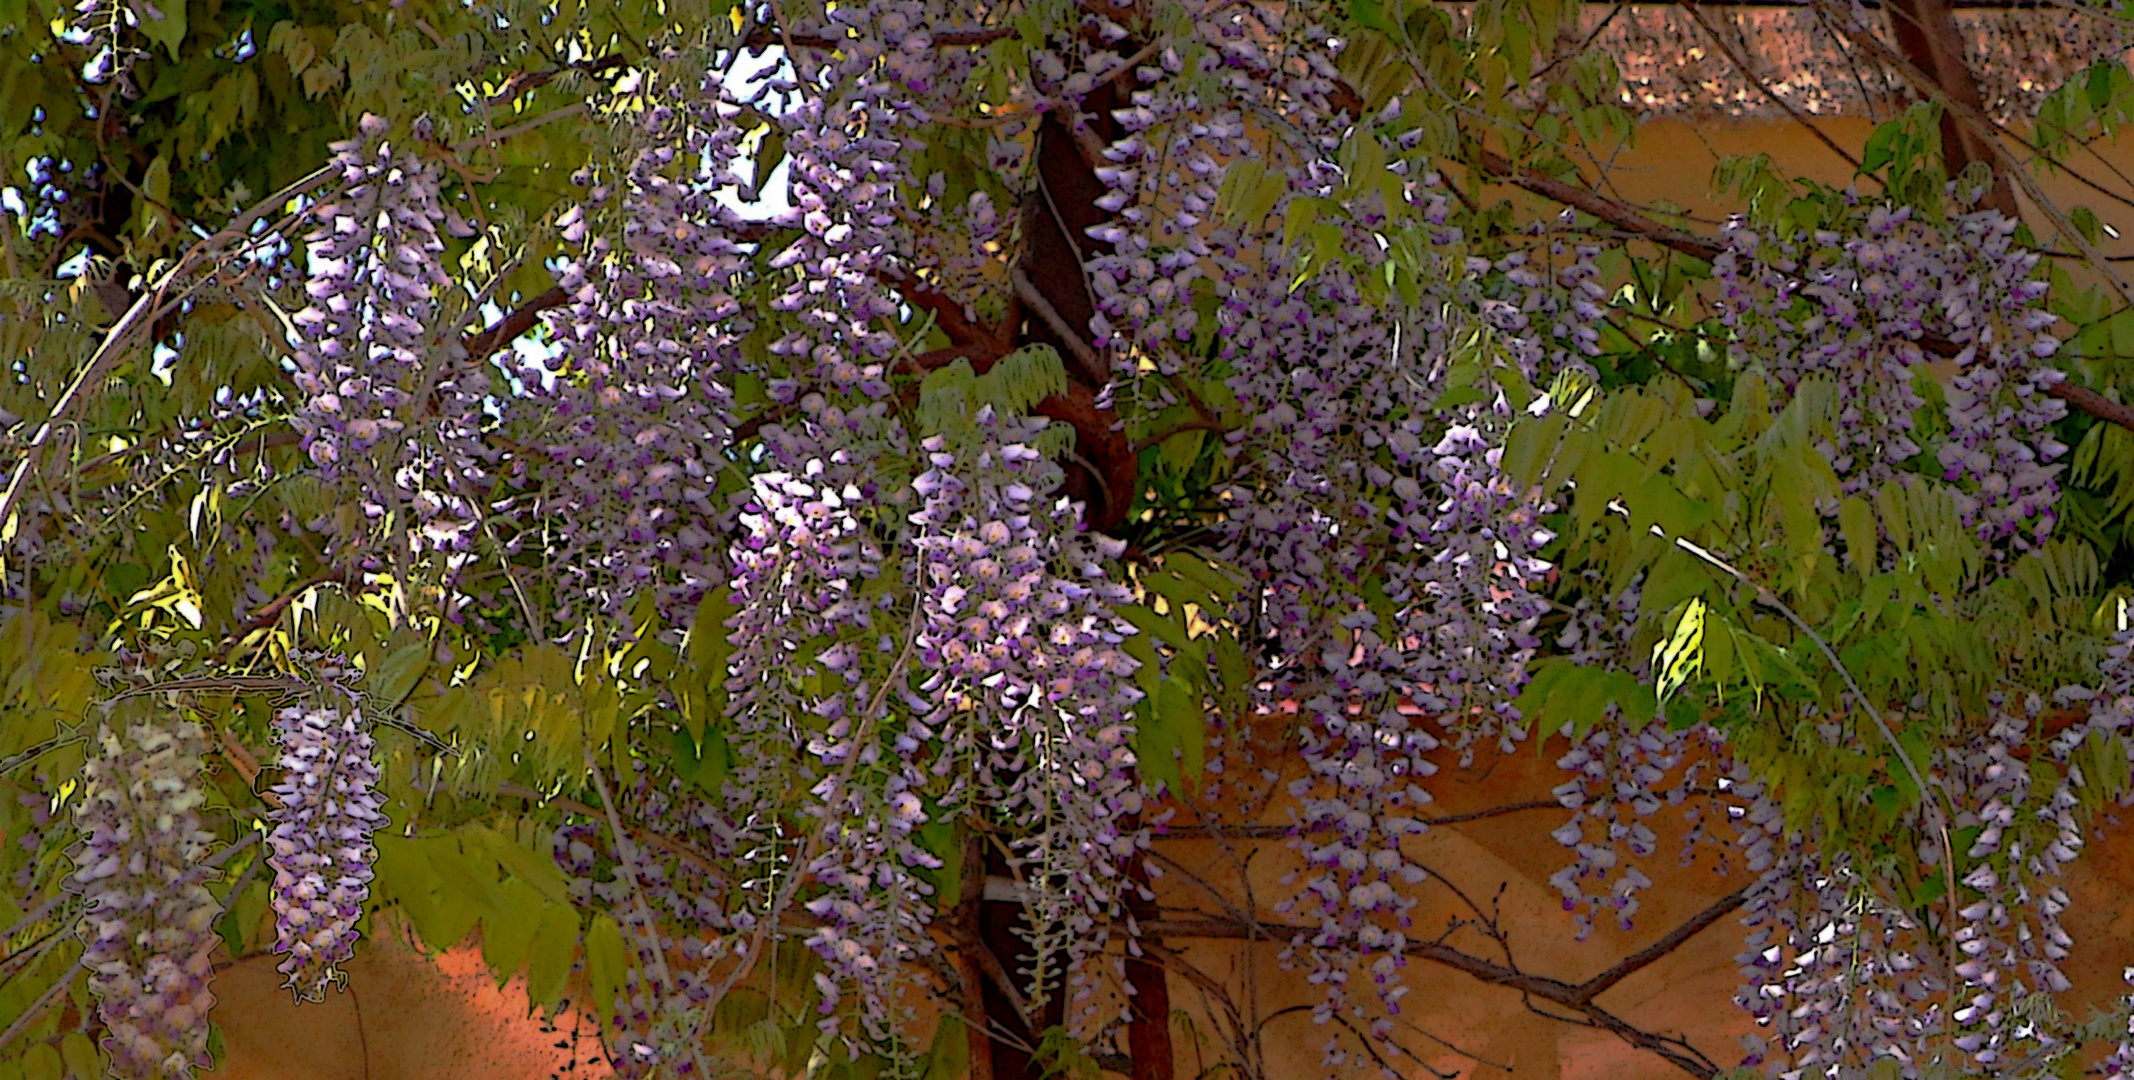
(403, 1016)
(1673, 161)
(1503, 863)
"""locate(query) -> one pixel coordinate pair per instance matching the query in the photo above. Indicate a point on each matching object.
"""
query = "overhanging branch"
(1577, 997)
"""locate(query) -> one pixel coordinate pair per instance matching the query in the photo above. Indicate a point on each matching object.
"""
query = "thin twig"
(35, 916)
(627, 856)
(251, 837)
(1938, 816)
(150, 306)
(37, 1007)
(45, 747)
(1693, 8)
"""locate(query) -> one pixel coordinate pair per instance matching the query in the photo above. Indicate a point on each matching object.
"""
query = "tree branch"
(486, 343)
(1283, 832)
(1578, 997)
(1669, 942)
(947, 313)
(527, 81)
(1602, 207)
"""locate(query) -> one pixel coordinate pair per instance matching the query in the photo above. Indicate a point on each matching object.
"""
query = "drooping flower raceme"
(149, 924)
(320, 848)
(390, 404)
(1024, 677)
(1854, 304)
(636, 421)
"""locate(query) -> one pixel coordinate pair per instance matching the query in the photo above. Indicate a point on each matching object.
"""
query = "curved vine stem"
(627, 849)
(1941, 814)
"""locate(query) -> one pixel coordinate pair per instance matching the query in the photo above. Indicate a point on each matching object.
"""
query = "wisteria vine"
(829, 454)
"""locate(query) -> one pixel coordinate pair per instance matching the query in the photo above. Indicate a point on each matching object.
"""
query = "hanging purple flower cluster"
(1353, 471)
(389, 404)
(1854, 304)
(148, 929)
(637, 422)
(1830, 970)
(1621, 774)
(2000, 418)
(1024, 679)
(1848, 308)
(2009, 934)
(327, 810)
(807, 727)
(1162, 179)
(1616, 783)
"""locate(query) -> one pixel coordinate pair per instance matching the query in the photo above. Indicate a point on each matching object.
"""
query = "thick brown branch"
(1279, 832)
(1668, 943)
(947, 313)
(1602, 207)
(1068, 335)
(1148, 1030)
(1577, 997)
(2089, 402)
(486, 343)
(1109, 457)
(1926, 33)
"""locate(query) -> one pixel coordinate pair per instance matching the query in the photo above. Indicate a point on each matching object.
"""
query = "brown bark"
(970, 974)
(1148, 1032)
(1926, 34)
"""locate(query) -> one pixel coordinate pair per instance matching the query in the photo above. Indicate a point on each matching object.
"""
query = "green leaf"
(396, 677)
(82, 1060)
(1529, 446)
(549, 955)
(949, 1058)
(1857, 521)
(2085, 222)
(402, 872)
(1370, 14)
(605, 963)
(508, 928)
(41, 1062)
(702, 692)
(167, 31)
(538, 872)
(1179, 710)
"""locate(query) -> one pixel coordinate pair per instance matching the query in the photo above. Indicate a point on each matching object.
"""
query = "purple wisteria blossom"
(148, 928)
(320, 846)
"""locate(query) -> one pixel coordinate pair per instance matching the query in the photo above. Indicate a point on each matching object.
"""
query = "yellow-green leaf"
(1857, 521)
(508, 928)
(554, 946)
(396, 677)
(605, 963)
(167, 31)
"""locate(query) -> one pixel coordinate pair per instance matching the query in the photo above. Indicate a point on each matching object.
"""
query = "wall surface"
(402, 1016)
